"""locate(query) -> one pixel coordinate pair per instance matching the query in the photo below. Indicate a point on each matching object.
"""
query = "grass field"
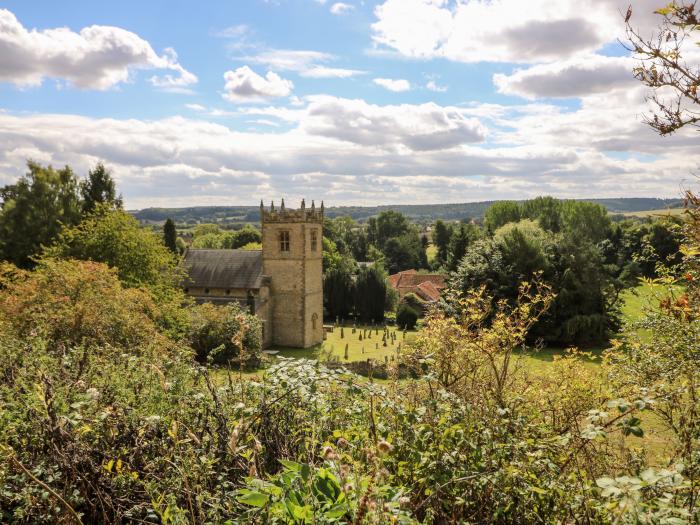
(370, 346)
(655, 213)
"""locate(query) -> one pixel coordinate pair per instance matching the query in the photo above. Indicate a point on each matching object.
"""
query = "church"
(282, 283)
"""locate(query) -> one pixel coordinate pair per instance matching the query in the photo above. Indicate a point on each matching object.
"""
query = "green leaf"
(253, 498)
(290, 465)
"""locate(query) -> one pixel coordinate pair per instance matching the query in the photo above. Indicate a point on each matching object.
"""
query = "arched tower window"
(284, 241)
(314, 321)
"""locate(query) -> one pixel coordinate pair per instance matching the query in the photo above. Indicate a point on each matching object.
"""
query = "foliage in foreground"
(105, 419)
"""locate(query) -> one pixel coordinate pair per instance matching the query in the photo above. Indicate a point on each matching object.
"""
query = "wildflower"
(329, 453)
(384, 447)
(93, 393)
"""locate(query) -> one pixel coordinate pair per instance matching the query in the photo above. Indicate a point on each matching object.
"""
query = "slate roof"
(224, 268)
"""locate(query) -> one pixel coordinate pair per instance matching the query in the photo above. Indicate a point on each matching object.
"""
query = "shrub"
(415, 302)
(406, 317)
(224, 334)
(68, 303)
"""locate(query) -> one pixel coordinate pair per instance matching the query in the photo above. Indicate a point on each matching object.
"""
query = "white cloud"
(336, 148)
(497, 30)
(421, 127)
(237, 31)
(305, 62)
(340, 8)
(245, 85)
(195, 107)
(330, 72)
(432, 85)
(396, 85)
(98, 57)
(573, 78)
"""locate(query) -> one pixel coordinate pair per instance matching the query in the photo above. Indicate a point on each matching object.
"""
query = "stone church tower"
(292, 258)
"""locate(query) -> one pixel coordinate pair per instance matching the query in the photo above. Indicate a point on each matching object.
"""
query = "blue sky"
(355, 102)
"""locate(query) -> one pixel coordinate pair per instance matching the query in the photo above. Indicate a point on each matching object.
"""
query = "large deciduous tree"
(500, 213)
(114, 237)
(34, 209)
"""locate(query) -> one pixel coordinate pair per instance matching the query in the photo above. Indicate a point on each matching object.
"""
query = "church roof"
(224, 268)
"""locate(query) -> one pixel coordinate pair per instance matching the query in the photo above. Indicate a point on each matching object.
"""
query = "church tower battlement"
(292, 257)
(283, 214)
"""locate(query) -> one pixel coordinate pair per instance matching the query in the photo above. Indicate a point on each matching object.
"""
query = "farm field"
(655, 213)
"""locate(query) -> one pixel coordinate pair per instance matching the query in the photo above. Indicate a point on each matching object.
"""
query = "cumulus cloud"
(424, 127)
(340, 8)
(305, 62)
(395, 85)
(336, 148)
(573, 78)
(98, 57)
(498, 30)
(245, 85)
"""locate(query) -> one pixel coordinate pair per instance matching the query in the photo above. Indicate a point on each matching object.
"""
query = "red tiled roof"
(426, 286)
(428, 291)
(396, 278)
(416, 279)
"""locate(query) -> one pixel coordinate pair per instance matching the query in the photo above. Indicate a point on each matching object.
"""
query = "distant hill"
(416, 212)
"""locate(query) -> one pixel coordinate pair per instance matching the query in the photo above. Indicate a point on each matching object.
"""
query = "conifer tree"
(170, 235)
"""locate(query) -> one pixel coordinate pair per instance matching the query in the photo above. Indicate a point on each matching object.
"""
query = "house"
(281, 284)
(427, 286)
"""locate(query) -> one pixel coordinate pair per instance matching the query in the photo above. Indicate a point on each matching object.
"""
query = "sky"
(227, 102)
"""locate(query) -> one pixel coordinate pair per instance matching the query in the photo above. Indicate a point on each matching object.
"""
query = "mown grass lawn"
(370, 346)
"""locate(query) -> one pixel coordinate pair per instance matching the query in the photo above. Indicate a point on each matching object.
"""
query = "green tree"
(246, 235)
(35, 209)
(586, 221)
(211, 241)
(404, 252)
(522, 246)
(460, 241)
(442, 233)
(386, 225)
(205, 229)
(114, 237)
(170, 236)
(338, 292)
(546, 211)
(406, 316)
(331, 257)
(500, 213)
(99, 188)
(370, 294)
